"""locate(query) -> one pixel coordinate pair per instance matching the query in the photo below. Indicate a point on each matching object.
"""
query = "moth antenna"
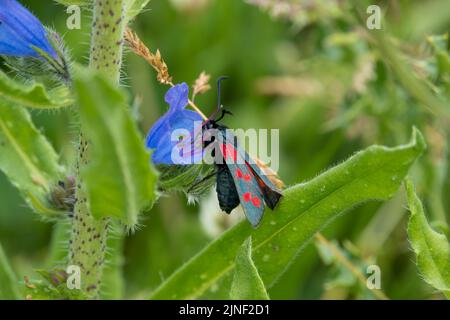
(219, 105)
(219, 81)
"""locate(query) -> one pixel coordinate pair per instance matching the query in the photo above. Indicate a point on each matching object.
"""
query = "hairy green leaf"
(247, 284)
(305, 209)
(113, 282)
(192, 180)
(8, 283)
(27, 158)
(33, 95)
(432, 249)
(53, 286)
(120, 180)
(58, 249)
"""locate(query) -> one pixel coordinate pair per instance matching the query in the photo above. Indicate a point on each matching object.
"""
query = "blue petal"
(160, 135)
(157, 132)
(177, 97)
(20, 30)
(184, 119)
(163, 153)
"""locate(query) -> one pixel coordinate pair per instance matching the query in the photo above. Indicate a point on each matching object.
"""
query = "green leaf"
(305, 209)
(113, 282)
(8, 282)
(33, 95)
(432, 249)
(53, 286)
(192, 180)
(134, 7)
(120, 180)
(439, 45)
(74, 2)
(58, 249)
(247, 284)
(27, 158)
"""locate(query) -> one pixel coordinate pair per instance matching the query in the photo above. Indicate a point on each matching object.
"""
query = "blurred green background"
(308, 68)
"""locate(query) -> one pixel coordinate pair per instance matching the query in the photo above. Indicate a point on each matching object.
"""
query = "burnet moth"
(239, 178)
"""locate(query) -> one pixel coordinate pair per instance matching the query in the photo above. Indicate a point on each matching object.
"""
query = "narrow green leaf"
(441, 53)
(305, 209)
(134, 7)
(33, 95)
(27, 158)
(9, 289)
(58, 247)
(247, 284)
(120, 180)
(432, 249)
(113, 283)
(74, 2)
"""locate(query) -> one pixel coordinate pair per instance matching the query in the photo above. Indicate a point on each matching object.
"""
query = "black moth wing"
(226, 190)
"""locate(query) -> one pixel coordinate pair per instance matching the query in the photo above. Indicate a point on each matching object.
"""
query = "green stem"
(89, 236)
(88, 239)
(107, 37)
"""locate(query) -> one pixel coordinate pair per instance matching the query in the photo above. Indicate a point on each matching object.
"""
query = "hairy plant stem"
(89, 236)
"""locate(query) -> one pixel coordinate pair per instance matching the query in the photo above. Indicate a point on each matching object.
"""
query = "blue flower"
(20, 31)
(160, 136)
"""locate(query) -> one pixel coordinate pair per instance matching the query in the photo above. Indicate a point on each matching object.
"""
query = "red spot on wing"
(256, 202)
(247, 196)
(229, 152)
(241, 175)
